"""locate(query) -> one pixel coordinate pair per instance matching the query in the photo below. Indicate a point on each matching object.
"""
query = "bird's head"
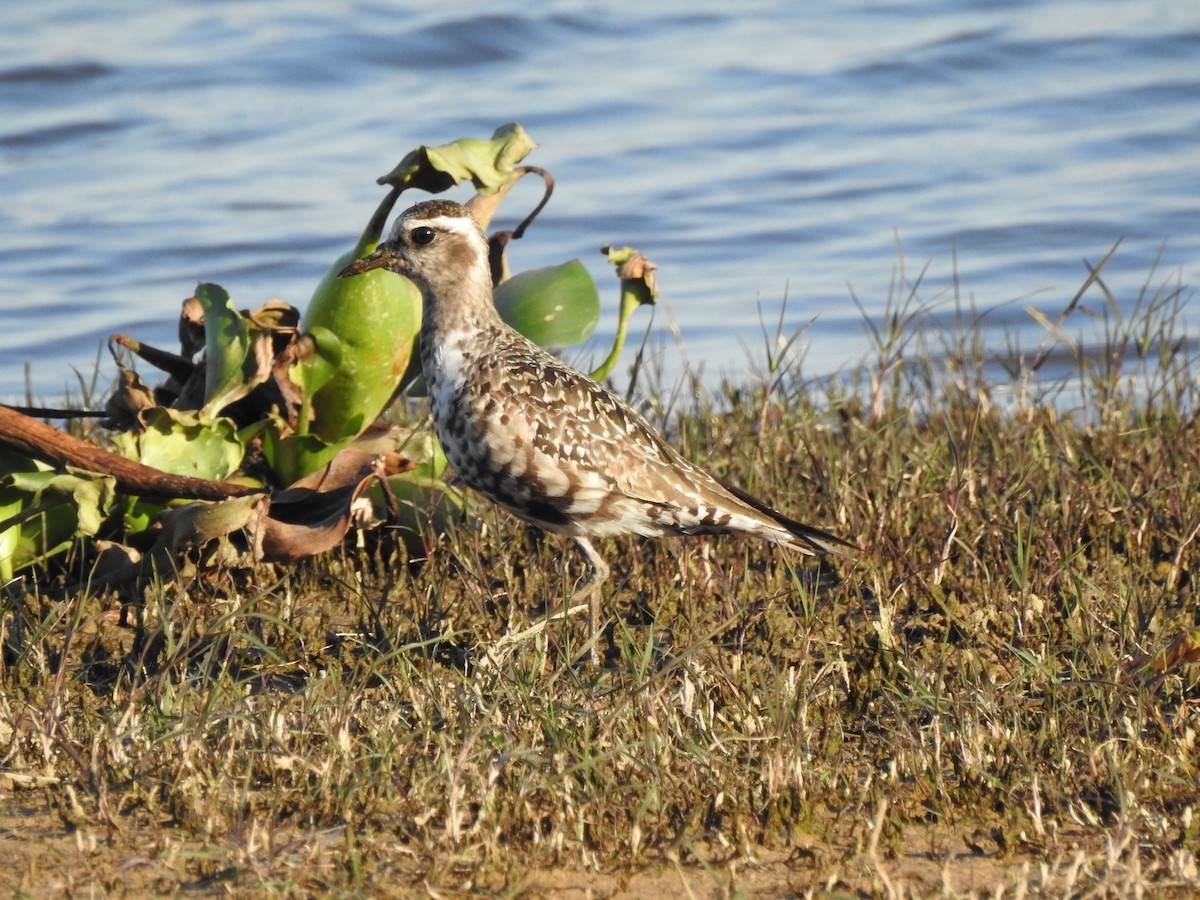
(434, 243)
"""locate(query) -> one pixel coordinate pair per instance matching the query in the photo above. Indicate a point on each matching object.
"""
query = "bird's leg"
(597, 574)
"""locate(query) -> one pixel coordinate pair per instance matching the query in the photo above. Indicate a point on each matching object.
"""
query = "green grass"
(1001, 695)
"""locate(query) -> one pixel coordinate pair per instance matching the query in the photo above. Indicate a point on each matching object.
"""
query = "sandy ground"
(40, 857)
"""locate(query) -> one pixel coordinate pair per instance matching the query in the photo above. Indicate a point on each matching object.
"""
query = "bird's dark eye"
(422, 235)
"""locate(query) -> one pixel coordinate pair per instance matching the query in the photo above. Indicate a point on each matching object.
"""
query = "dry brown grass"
(1001, 697)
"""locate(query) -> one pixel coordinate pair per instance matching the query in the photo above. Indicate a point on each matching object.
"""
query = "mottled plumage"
(539, 438)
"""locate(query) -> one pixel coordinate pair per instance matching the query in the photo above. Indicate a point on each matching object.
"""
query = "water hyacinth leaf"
(88, 493)
(226, 345)
(314, 513)
(16, 539)
(319, 357)
(554, 307)
(195, 524)
(296, 455)
(484, 204)
(304, 522)
(41, 536)
(139, 513)
(275, 315)
(46, 511)
(486, 164)
(11, 504)
(376, 318)
(181, 442)
(205, 524)
(205, 520)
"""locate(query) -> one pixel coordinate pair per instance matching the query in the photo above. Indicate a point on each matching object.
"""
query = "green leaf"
(226, 347)
(139, 513)
(320, 357)
(366, 330)
(201, 521)
(88, 493)
(181, 442)
(11, 503)
(294, 456)
(554, 307)
(486, 164)
(47, 510)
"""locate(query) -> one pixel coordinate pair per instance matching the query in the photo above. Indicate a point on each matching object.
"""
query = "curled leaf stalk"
(638, 288)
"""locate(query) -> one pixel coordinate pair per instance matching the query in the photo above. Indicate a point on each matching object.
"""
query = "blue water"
(754, 151)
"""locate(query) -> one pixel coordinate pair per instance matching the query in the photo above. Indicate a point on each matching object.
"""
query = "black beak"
(382, 258)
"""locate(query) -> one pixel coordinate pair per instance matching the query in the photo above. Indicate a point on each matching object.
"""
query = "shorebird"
(541, 439)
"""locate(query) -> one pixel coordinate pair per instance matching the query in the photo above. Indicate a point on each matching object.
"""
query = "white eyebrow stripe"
(449, 224)
(458, 224)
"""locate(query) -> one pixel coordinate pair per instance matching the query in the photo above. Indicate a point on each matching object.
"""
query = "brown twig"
(50, 445)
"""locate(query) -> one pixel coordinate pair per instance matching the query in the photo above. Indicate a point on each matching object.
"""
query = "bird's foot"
(516, 637)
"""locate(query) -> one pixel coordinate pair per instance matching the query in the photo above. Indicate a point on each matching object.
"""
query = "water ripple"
(769, 151)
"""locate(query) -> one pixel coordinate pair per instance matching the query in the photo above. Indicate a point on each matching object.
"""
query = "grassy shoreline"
(1002, 694)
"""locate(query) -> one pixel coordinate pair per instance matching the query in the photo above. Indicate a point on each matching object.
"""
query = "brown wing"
(590, 463)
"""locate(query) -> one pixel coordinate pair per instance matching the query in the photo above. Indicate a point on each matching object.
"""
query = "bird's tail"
(813, 539)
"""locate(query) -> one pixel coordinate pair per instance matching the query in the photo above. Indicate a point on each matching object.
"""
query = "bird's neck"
(458, 324)
(464, 304)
